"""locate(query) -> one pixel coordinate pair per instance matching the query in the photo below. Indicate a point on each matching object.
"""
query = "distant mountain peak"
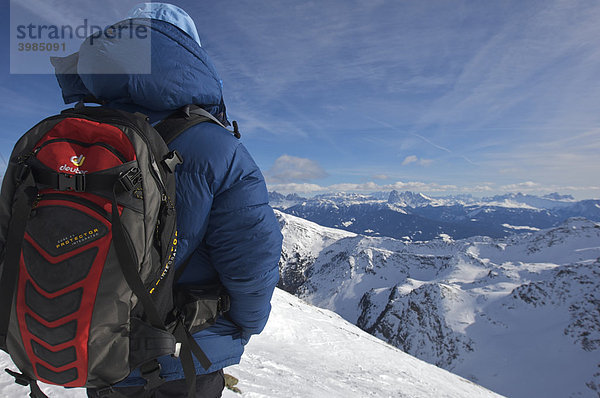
(408, 199)
(557, 196)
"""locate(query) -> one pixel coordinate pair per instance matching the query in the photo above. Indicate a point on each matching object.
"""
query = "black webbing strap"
(171, 127)
(73, 182)
(196, 110)
(189, 346)
(150, 371)
(24, 380)
(22, 203)
(129, 267)
(187, 361)
(197, 351)
(184, 118)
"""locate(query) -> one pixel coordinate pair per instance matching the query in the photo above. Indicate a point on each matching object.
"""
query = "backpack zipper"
(153, 171)
(75, 199)
(110, 148)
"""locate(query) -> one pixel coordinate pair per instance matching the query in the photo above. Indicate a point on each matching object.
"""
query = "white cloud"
(482, 188)
(381, 177)
(534, 187)
(409, 159)
(304, 188)
(414, 159)
(364, 187)
(291, 169)
(527, 185)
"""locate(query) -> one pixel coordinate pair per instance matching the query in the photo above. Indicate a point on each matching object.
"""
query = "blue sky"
(441, 97)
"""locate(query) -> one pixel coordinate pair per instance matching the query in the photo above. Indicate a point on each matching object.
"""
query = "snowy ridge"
(307, 352)
(417, 199)
(488, 309)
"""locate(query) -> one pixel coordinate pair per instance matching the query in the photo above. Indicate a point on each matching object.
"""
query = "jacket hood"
(107, 69)
(168, 13)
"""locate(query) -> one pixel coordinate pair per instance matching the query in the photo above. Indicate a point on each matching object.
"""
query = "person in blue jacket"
(226, 227)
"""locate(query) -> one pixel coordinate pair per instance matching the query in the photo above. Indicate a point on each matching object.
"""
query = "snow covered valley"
(518, 315)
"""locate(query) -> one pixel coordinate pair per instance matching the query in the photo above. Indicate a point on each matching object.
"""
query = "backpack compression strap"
(22, 205)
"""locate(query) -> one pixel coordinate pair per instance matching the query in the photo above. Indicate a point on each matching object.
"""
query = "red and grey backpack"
(88, 228)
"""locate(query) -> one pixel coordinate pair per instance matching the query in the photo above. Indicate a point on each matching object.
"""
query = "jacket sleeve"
(244, 242)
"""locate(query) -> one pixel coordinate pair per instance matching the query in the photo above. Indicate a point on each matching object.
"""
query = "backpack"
(88, 222)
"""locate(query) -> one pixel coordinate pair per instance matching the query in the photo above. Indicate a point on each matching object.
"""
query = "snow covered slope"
(519, 315)
(307, 352)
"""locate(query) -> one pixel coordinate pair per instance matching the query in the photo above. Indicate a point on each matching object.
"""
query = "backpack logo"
(78, 160)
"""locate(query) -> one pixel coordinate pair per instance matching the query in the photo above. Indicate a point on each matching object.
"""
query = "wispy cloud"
(503, 92)
(60, 12)
(414, 159)
(526, 186)
(363, 187)
(380, 176)
(291, 169)
(539, 60)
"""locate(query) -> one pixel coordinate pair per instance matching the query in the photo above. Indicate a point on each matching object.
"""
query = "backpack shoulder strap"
(184, 118)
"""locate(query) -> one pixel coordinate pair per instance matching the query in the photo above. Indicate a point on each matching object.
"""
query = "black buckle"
(71, 182)
(224, 303)
(105, 392)
(131, 178)
(152, 375)
(172, 159)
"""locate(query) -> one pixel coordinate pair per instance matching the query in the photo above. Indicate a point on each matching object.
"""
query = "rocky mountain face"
(519, 315)
(416, 217)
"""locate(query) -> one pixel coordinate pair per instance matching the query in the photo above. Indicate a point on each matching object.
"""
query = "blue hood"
(181, 71)
(168, 13)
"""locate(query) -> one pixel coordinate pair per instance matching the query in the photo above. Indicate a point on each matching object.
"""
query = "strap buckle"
(71, 182)
(151, 373)
(172, 159)
(224, 303)
(105, 392)
(131, 178)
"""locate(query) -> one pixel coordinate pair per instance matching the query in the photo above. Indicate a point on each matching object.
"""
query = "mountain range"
(417, 217)
(519, 315)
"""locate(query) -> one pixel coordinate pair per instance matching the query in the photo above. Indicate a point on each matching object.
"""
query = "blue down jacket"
(224, 221)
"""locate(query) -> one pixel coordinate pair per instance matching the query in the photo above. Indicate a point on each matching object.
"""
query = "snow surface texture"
(307, 352)
(518, 315)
